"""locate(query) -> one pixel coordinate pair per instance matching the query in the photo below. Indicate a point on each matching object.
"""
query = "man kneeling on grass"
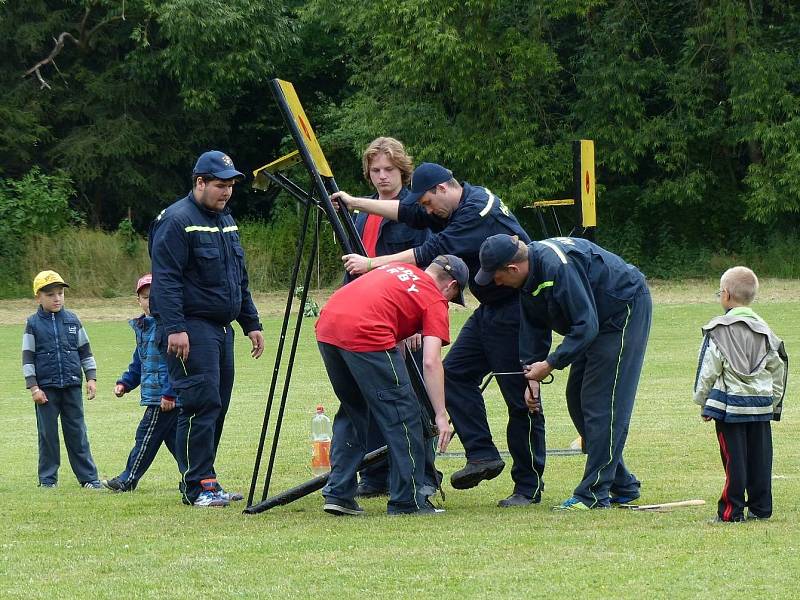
(358, 332)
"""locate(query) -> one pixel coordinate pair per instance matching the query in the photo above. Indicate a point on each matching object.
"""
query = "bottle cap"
(320, 408)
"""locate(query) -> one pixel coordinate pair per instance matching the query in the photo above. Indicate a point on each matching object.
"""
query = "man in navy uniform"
(200, 286)
(602, 307)
(461, 217)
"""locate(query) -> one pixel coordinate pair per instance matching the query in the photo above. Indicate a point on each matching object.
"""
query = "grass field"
(69, 542)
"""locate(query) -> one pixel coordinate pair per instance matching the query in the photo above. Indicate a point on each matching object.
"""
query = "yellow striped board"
(304, 127)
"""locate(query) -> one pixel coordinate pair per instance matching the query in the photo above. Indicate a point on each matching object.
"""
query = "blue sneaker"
(571, 503)
(93, 485)
(618, 500)
(210, 499)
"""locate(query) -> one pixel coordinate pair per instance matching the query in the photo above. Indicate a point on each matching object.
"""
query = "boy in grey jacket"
(740, 383)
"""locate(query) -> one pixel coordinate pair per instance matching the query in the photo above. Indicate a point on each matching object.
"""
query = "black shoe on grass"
(476, 471)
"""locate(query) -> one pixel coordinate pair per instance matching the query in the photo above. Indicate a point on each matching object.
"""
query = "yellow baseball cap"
(46, 278)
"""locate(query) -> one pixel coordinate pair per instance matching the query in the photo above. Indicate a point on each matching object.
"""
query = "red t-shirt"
(383, 307)
(370, 236)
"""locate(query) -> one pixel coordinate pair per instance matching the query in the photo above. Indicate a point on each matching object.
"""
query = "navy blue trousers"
(155, 428)
(66, 403)
(601, 390)
(746, 452)
(375, 384)
(489, 342)
(204, 384)
(377, 476)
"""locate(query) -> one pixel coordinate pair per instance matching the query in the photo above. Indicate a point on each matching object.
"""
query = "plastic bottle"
(320, 442)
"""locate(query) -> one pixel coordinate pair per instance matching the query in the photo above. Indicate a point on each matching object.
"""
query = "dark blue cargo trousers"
(375, 385)
(489, 341)
(601, 390)
(204, 383)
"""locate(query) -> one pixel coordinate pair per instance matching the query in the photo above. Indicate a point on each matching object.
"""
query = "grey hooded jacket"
(742, 369)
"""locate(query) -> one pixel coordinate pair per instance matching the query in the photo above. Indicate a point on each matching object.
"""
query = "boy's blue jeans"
(68, 404)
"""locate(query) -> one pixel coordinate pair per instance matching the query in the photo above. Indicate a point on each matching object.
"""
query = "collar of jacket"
(207, 211)
(748, 317)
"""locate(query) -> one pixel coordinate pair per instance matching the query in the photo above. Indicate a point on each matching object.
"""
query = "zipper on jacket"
(58, 349)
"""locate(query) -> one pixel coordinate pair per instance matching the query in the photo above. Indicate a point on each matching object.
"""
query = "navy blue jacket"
(148, 366)
(393, 236)
(479, 214)
(577, 289)
(198, 268)
(55, 349)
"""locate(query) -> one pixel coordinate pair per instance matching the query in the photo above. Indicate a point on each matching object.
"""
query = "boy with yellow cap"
(55, 349)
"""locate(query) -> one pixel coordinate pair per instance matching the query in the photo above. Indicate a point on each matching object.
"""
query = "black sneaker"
(476, 471)
(426, 510)
(340, 508)
(366, 490)
(115, 484)
(518, 500)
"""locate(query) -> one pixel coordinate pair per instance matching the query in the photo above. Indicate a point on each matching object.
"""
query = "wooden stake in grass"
(664, 507)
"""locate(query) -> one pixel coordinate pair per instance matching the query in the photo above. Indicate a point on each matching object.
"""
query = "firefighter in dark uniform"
(602, 307)
(199, 287)
(462, 216)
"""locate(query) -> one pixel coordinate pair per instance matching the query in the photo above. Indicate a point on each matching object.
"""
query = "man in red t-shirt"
(357, 333)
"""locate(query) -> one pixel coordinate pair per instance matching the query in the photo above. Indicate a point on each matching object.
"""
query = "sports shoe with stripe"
(210, 497)
(340, 508)
(571, 503)
(92, 485)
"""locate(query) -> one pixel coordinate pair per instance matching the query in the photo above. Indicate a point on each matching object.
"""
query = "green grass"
(70, 542)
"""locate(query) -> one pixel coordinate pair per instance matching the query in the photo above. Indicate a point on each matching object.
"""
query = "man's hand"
(705, 418)
(349, 202)
(167, 403)
(91, 389)
(38, 395)
(532, 398)
(119, 390)
(538, 370)
(445, 431)
(257, 338)
(355, 264)
(414, 342)
(178, 344)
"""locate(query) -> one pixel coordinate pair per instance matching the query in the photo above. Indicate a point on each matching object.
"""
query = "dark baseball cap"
(426, 176)
(457, 269)
(218, 164)
(495, 253)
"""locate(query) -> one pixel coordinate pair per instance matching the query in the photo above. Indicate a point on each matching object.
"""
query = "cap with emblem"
(495, 253)
(218, 164)
(46, 279)
(457, 269)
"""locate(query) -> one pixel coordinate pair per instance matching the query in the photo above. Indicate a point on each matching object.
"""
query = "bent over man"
(199, 287)
(357, 333)
(462, 216)
(602, 307)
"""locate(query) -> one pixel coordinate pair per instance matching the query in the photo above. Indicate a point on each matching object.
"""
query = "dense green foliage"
(694, 106)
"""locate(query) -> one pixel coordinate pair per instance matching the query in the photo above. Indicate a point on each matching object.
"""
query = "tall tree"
(123, 94)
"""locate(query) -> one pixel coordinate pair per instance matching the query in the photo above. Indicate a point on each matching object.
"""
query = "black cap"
(458, 270)
(426, 176)
(496, 252)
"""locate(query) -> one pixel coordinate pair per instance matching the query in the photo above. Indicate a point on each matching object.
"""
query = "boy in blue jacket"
(55, 349)
(148, 369)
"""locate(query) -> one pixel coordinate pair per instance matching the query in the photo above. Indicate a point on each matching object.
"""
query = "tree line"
(694, 105)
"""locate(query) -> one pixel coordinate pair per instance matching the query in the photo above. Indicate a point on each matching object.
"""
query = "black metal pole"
(292, 353)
